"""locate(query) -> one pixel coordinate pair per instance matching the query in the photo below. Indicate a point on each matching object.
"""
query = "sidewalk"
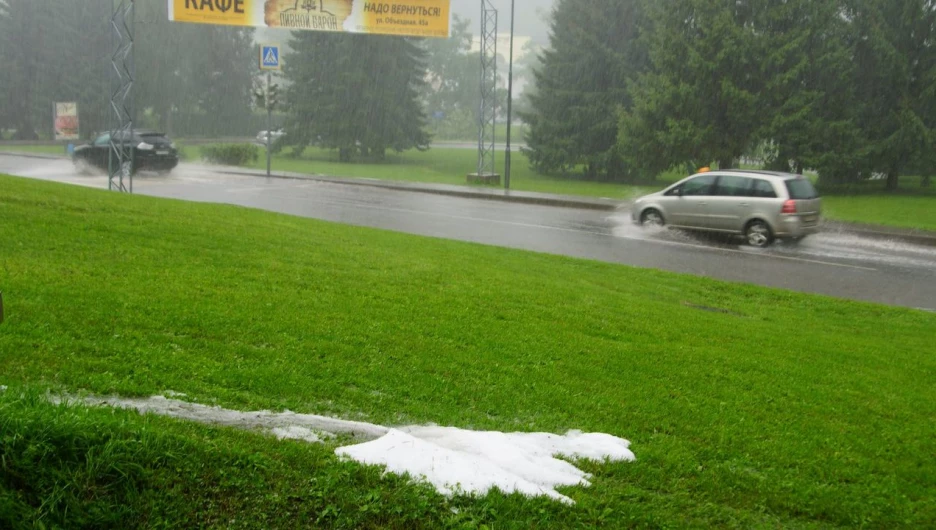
(920, 237)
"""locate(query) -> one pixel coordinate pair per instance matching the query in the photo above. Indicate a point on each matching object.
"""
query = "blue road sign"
(269, 57)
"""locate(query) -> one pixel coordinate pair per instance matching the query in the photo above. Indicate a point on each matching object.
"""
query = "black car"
(152, 151)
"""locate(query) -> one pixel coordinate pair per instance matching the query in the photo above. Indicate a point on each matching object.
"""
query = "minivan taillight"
(789, 207)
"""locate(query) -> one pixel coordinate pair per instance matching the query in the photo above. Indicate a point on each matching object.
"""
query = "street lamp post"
(509, 98)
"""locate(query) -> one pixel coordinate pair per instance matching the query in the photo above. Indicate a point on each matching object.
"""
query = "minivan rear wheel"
(758, 234)
(651, 217)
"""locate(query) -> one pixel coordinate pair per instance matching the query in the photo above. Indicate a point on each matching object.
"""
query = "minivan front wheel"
(651, 217)
(758, 234)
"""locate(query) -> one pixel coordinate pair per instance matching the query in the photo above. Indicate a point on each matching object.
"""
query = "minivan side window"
(731, 186)
(763, 189)
(699, 186)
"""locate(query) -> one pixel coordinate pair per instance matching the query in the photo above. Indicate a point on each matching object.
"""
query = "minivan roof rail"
(759, 172)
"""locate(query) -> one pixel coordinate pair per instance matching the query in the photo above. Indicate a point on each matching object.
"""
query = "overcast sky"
(530, 22)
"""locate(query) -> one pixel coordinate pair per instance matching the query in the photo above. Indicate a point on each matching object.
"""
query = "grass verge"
(778, 409)
(905, 211)
(438, 165)
(440, 133)
(37, 149)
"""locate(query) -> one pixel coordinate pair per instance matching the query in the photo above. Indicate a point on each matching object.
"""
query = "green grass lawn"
(439, 166)
(39, 149)
(906, 211)
(778, 410)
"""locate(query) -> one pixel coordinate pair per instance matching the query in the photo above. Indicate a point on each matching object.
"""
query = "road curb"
(452, 191)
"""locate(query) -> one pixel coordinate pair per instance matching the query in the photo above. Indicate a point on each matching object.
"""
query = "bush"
(231, 154)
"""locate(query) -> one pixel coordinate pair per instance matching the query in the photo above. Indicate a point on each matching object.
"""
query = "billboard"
(66, 121)
(414, 18)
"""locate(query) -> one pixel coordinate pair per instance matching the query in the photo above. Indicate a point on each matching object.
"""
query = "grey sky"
(531, 16)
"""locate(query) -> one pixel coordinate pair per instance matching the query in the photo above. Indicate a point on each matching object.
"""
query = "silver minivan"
(760, 205)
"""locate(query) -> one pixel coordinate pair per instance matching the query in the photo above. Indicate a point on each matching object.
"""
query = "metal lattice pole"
(488, 111)
(120, 163)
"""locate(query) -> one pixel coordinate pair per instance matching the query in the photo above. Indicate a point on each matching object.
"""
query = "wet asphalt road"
(836, 264)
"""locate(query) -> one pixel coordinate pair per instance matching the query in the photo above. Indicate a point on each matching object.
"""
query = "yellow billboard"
(414, 18)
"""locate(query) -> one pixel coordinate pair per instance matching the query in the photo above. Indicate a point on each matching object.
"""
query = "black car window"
(152, 138)
(731, 186)
(699, 186)
(801, 189)
(104, 139)
(763, 189)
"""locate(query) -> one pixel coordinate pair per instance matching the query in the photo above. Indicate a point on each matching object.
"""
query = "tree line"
(630, 88)
(360, 95)
(626, 89)
(365, 95)
(190, 79)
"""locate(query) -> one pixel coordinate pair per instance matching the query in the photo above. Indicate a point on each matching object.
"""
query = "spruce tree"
(359, 94)
(583, 79)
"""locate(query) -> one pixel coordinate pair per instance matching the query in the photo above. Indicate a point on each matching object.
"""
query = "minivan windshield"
(801, 189)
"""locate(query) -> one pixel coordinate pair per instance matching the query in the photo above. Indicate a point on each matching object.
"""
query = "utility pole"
(509, 97)
(269, 106)
(269, 61)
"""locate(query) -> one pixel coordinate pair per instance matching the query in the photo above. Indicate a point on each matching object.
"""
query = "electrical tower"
(488, 111)
(120, 165)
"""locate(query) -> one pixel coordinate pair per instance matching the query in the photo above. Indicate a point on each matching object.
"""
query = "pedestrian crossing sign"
(269, 57)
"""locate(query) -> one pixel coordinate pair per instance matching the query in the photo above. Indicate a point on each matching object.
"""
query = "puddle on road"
(63, 170)
(623, 227)
(59, 170)
(842, 245)
(824, 245)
